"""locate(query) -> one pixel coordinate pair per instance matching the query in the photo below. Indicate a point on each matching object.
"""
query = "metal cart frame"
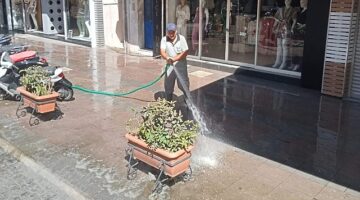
(34, 120)
(132, 170)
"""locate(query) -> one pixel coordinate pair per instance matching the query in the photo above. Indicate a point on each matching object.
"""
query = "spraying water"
(195, 111)
(205, 153)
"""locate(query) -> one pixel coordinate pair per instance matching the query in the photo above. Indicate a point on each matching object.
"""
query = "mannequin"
(284, 28)
(301, 16)
(31, 11)
(81, 18)
(195, 31)
(182, 16)
(17, 14)
(87, 17)
(300, 30)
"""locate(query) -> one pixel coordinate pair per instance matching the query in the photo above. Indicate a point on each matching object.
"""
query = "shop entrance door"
(148, 23)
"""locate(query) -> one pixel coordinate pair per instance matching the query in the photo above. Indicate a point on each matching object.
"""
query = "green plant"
(36, 80)
(160, 126)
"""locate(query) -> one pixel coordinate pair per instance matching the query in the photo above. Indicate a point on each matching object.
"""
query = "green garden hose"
(123, 93)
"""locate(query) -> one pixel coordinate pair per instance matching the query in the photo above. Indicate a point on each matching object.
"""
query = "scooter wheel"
(18, 97)
(3, 95)
(66, 94)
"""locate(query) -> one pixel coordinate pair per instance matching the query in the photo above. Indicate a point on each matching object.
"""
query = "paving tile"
(330, 193)
(301, 184)
(284, 194)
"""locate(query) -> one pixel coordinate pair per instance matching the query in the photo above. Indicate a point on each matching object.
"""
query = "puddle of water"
(206, 153)
(110, 180)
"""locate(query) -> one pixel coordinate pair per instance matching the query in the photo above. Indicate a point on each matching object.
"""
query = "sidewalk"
(83, 153)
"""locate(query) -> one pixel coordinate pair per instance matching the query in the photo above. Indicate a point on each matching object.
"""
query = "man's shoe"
(168, 97)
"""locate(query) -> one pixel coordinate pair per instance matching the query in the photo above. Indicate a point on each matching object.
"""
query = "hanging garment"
(267, 36)
(241, 29)
(251, 39)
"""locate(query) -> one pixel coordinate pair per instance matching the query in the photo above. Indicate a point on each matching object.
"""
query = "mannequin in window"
(195, 31)
(182, 16)
(300, 30)
(284, 28)
(87, 18)
(31, 11)
(80, 16)
(301, 17)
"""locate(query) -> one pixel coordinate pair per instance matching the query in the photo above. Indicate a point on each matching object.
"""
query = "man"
(174, 49)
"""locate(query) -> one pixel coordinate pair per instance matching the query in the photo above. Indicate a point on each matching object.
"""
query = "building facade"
(316, 42)
(77, 20)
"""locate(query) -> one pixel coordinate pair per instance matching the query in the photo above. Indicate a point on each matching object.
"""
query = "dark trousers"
(169, 83)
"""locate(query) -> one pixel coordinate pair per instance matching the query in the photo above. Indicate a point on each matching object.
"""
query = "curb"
(41, 170)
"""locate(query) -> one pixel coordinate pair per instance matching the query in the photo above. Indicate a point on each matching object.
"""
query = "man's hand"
(169, 60)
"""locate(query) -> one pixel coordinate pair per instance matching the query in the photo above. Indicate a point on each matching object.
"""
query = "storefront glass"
(79, 19)
(214, 31)
(33, 15)
(17, 18)
(281, 34)
(242, 36)
(267, 35)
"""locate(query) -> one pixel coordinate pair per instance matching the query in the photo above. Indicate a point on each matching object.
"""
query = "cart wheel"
(158, 187)
(187, 175)
(34, 122)
(132, 174)
(21, 114)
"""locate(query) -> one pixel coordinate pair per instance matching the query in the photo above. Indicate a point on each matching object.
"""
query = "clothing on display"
(283, 28)
(251, 39)
(285, 18)
(182, 16)
(79, 10)
(241, 34)
(31, 12)
(195, 30)
(300, 28)
(267, 38)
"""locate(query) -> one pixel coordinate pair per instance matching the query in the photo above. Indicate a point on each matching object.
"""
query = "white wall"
(113, 23)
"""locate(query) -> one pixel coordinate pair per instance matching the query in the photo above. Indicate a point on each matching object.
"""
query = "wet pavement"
(287, 124)
(269, 140)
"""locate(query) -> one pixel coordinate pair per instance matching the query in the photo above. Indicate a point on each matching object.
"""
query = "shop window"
(281, 35)
(79, 19)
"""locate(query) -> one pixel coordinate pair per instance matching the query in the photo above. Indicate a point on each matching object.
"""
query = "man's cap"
(170, 27)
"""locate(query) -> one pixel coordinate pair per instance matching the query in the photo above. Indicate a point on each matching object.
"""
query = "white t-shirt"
(173, 49)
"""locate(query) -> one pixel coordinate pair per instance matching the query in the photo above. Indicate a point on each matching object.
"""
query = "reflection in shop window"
(17, 14)
(79, 20)
(281, 37)
(242, 39)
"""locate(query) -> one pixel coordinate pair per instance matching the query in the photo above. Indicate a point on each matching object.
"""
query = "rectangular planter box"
(42, 104)
(174, 163)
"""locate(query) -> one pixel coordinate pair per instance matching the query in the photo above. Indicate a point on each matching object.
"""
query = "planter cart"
(39, 104)
(169, 164)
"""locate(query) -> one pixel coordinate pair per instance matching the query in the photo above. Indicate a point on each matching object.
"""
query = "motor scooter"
(5, 39)
(13, 48)
(27, 59)
(10, 79)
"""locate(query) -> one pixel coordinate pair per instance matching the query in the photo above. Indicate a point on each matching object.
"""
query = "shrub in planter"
(160, 126)
(37, 90)
(160, 135)
(36, 81)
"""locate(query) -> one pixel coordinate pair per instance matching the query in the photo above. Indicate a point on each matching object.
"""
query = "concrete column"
(339, 47)
(114, 23)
